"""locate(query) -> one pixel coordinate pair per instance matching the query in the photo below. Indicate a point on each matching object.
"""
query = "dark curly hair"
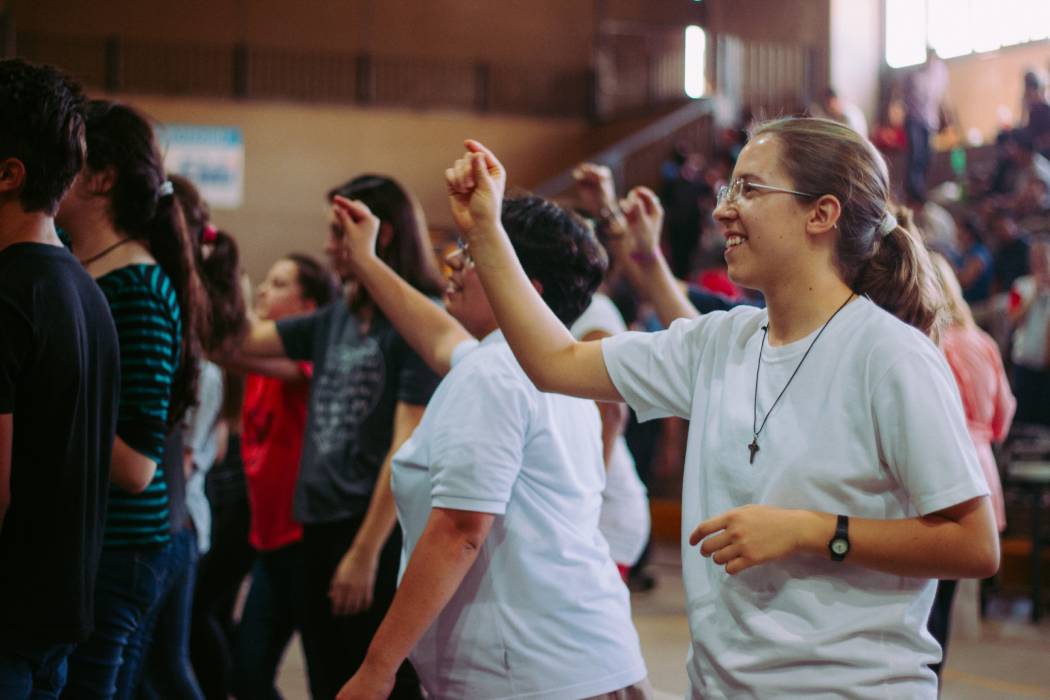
(557, 249)
(41, 125)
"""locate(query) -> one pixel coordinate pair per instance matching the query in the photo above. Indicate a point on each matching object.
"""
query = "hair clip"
(208, 234)
(166, 189)
(888, 223)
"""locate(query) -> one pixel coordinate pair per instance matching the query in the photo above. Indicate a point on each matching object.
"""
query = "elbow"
(983, 560)
(987, 563)
(135, 481)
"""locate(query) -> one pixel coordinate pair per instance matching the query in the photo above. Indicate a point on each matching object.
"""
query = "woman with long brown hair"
(367, 395)
(129, 233)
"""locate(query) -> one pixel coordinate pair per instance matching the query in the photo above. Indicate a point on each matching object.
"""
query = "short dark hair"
(42, 125)
(557, 249)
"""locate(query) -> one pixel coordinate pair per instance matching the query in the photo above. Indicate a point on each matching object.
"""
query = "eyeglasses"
(739, 186)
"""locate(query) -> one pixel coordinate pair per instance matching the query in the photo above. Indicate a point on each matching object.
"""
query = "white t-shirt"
(872, 426)
(625, 504)
(201, 439)
(543, 613)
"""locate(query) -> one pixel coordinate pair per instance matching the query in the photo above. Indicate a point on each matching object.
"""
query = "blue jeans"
(33, 671)
(129, 585)
(273, 611)
(165, 635)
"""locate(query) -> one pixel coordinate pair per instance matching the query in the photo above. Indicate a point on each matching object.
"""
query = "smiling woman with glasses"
(829, 475)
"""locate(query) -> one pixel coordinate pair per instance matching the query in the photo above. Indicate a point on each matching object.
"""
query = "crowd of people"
(427, 479)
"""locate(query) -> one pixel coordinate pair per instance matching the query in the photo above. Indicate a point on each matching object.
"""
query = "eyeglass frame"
(723, 191)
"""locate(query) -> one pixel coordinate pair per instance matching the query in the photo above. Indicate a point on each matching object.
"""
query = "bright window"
(960, 27)
(695, 48)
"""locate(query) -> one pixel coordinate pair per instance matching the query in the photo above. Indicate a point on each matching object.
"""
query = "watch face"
(839, 547)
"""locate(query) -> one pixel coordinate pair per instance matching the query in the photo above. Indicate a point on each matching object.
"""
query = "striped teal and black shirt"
(146, 312)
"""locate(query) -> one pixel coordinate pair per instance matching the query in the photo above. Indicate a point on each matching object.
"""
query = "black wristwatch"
(839, 543)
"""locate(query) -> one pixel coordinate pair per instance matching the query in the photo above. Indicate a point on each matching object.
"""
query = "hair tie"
(888, 223)
(209, 234)
(166, 189)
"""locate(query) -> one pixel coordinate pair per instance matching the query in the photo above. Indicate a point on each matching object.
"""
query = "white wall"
(856, 52)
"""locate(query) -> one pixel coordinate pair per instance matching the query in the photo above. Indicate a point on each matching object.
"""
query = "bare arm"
(633, 227)
(277, 367)
(354, 578)
(548, 353)
(262, 340)
(7, 428)
(445, 552)
(957, 542)
(427, 328)
(639, 254)
(129, 469)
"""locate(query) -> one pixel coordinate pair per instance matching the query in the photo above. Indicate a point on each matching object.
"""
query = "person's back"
(58, 378)
(59, 372)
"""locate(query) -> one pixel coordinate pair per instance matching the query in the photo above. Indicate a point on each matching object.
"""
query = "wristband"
(643, 256)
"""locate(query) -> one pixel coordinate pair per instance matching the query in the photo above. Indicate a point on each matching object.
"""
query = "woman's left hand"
(754, 534)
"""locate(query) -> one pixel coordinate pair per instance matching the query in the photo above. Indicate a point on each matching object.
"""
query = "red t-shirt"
(273, 422)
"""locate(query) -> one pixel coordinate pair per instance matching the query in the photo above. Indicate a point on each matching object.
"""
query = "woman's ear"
(386, 236)
(824, 216)
(99, 182)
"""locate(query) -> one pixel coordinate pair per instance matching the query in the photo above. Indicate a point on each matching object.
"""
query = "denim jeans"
(273, 611)
(129, 585)
(165, 635)
(32, 671)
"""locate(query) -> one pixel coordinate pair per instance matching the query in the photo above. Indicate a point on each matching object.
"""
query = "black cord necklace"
(105, 251)
(756, 431)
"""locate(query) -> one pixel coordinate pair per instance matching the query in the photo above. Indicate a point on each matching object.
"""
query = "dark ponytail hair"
(219, 264)
(316, 282)
(890, 265)
(122, 139)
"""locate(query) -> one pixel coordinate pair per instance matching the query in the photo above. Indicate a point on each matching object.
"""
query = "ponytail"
(220, 269)
(899, 277)
(170, 246)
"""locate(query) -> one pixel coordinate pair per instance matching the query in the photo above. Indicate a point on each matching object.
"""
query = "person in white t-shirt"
(625, 518)
(829, 475)
(507, 587)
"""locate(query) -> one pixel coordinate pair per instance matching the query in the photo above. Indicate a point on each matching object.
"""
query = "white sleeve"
(922, 434)
(477, 447)
(656, 373)
(602, 315)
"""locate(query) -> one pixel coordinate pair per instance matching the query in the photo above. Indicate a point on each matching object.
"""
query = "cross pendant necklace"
(756, 429)
(754, 448)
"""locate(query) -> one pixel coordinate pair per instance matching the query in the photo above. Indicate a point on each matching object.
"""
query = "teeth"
(734, 241)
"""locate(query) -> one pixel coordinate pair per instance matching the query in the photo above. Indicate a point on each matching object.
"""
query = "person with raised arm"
(366, 398)
(508, 589)
(829, 475)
